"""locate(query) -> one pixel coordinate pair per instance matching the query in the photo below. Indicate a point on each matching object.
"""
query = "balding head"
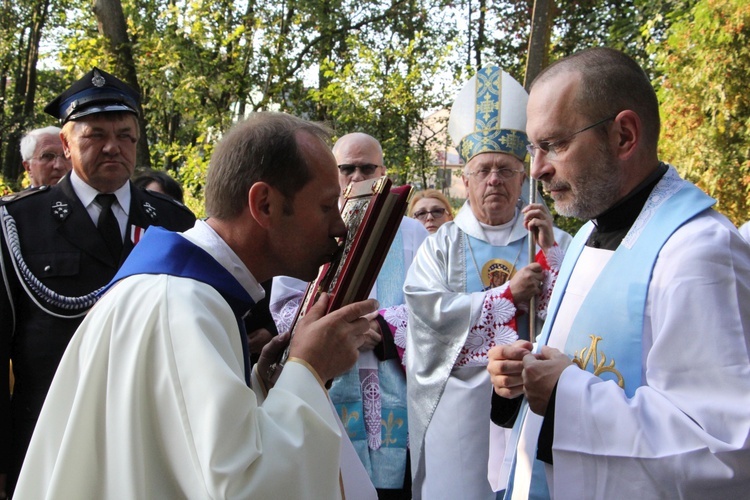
(360, 157)
(359, 145)
(264, 147)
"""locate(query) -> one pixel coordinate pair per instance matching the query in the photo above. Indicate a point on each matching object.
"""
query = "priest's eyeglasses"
(436, 213)
(551, 148)
(482, 174)
(348, 169)
(49, 157)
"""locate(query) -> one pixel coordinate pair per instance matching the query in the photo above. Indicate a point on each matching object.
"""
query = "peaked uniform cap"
(489, 115)
(96, 92)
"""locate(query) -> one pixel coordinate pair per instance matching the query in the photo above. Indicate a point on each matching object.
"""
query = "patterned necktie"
(108, 225)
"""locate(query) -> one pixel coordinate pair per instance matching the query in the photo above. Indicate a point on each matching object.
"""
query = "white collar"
(87, 193)
(499, 235)
(507, 233)
(204, 236)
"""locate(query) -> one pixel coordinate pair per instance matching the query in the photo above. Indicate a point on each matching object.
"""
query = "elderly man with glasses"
(43, 156)
(62, 243)
(469, 289)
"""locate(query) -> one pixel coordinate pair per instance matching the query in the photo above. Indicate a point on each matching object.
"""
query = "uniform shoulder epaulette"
(165, 197)
(10, 198)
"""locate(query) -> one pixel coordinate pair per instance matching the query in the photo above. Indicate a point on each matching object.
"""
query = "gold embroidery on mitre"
(582, 358)
(488, 106)
(390, 425)
(514, 141)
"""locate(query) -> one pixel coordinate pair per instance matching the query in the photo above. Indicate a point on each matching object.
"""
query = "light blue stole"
(482, 256)
(386, 465)
(609, 324)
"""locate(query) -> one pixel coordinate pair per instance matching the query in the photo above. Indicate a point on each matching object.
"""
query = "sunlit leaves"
(705, 105)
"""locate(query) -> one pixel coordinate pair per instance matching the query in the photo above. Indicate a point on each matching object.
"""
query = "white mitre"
(489, 115)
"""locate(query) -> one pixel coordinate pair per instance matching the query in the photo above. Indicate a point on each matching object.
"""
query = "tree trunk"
(25, 92)
(481, 36)
(538, 56)
(249, 22)
(111, 22)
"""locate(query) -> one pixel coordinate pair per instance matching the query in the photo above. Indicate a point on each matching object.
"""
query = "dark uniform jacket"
(65, 255)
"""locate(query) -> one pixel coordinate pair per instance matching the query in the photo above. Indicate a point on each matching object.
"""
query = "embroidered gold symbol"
(513, 141)
(466, 146)
(488, 106)
(347, 418)
(390, 425)
(582, 358)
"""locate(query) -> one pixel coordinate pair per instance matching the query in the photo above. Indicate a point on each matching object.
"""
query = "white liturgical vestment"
(684, 429)
(449, 403)
(150, 401)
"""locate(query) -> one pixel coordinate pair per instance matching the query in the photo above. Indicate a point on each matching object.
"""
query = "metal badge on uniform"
(60, 210)
(150, 210)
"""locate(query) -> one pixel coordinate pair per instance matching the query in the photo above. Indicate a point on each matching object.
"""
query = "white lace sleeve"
(554, 257)
(496, 325)
(397, 317)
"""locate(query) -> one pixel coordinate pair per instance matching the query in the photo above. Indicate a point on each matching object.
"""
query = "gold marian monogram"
(582, 361)
(347, 417)
(390, 425)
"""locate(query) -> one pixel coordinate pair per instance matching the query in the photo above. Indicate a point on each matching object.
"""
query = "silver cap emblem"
(98, 80)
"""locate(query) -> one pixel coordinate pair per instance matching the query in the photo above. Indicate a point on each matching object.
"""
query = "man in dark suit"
(62, 243)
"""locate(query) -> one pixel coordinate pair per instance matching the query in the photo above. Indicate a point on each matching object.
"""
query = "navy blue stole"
(164, 252)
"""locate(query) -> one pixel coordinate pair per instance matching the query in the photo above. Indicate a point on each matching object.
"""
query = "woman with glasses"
(431, 208)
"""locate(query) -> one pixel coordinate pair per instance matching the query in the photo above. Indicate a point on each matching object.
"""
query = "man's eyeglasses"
(436, 213)
(49, 157)
(550, 148)
(366, 169)
(484, 173)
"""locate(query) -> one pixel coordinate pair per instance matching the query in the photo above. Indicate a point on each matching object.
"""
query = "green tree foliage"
(383, 85)
(705, 64)
(498, 32)
(202, 65)
(22, 27)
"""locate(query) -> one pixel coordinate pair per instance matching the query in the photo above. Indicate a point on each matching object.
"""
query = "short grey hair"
(28, 143)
